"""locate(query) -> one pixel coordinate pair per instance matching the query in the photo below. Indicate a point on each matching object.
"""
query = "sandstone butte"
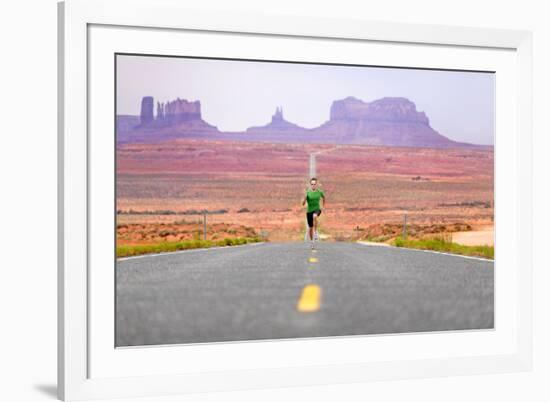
(389, 121)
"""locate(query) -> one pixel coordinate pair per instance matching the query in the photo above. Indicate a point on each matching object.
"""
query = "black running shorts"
(310, 217)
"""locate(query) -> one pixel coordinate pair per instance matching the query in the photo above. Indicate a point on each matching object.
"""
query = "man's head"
(313, 182)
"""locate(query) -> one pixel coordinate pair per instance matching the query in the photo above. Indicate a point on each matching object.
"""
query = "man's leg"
(310, 231)
(315, 222)
(309, 226)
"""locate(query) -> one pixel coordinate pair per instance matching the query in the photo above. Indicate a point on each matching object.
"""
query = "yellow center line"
(310, 299)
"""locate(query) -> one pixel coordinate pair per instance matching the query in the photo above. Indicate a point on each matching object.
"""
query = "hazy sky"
(235, 95)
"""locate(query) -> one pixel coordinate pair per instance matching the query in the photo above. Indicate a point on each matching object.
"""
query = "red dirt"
(365, 185)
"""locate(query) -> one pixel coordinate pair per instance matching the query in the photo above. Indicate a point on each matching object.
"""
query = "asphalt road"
(284, 290)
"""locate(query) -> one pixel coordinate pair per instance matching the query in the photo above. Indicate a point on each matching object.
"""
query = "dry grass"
(129, 250)
(443, 243)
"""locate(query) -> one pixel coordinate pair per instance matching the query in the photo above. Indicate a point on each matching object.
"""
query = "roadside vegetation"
(128, 250)
(444, 244)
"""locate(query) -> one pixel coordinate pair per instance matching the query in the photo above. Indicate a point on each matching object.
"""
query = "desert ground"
(254, 189)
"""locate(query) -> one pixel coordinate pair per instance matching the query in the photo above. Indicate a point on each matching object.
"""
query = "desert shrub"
(163, 212)
(197, 243)
(399, 242)
(444, 237)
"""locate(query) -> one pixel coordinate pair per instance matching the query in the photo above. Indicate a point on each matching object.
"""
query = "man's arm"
(323, 197)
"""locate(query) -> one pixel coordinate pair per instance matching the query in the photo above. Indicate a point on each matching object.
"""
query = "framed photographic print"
(251, 201)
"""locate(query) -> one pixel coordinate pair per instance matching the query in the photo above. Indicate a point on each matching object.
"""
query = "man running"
(313, 197)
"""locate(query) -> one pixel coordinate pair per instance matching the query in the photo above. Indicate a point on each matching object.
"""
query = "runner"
(313, 197)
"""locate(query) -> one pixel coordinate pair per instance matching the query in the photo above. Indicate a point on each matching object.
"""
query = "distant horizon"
(459, 105)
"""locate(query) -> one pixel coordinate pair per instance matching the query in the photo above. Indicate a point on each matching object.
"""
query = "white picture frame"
(79, 377)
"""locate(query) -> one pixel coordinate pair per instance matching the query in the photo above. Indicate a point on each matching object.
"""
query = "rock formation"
(386, 121)
(168, 113)
(160, 111)
(278, 125)
(181, 110)
(395, 110)
(278, 116)
(146, 114)
(392, 121)
(126, 123)
(174, 119)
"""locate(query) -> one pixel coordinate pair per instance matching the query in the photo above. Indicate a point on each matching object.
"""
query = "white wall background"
(28, 199)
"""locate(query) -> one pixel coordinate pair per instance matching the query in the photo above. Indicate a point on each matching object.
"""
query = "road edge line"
(430, 251)
(188, 251)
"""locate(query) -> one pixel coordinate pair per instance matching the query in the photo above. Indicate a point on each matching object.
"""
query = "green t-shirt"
(313, 200)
